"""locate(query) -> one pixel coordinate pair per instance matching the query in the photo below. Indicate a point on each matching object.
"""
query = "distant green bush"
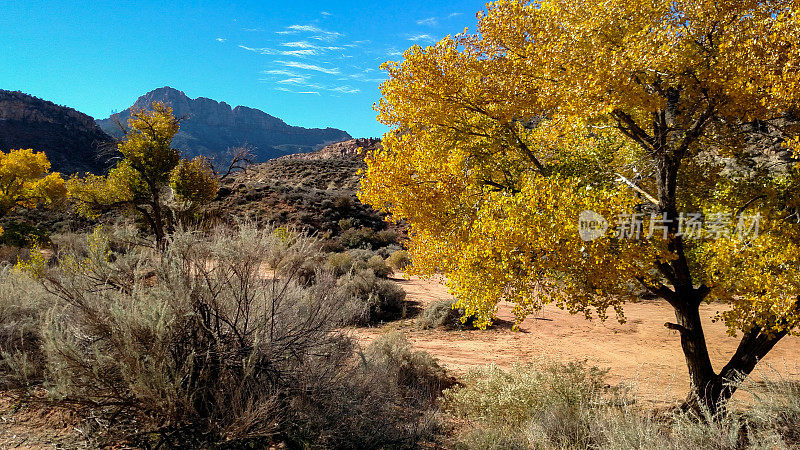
(370, 299)
(21, 234)
(340, 263)
(399, 260)
(379, 267)
(358, 238)
(346, 223)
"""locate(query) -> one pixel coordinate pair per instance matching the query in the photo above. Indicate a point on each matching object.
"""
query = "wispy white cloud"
(299, 65)
(325, 13)
(308, 28)
(263, 51)
(299, 44)
(301, 52)
(298, 52)
(392, 51)
(285, 73)
(297, 80)
(221, 39)
(362, 78)
(321, 35)
(455, 14)
(305, 45)
(253, 29)
(421, 38)
(346, 90)
(279, 88)
(430, 21)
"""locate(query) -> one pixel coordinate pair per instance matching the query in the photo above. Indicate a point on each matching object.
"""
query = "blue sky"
(313, 64)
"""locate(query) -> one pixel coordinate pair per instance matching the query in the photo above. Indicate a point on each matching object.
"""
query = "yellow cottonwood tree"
(500, 139)
(150, 173)
(26, 181)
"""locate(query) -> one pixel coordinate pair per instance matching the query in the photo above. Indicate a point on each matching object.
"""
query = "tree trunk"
(158, 222)
(706, 386)
(711, 391)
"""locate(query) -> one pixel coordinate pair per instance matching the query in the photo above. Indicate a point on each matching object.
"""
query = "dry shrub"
(23, 306)
(416, 372)
(378, 266)
(9, 254)
(370, 299)
(556, 406)
(340, 263)
(548, 403)
(216, 341)
(442, 314)
(399, 260)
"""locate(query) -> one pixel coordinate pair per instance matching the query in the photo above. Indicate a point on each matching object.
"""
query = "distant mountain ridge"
(354, 148)
(71, 140)
(210, 128)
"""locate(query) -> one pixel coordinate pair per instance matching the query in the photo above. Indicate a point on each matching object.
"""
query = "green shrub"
(399, 260)
(385, 237)
(378, 266)
(442, 314)
(370, 299)
(358, 238)
(417, 372)
(340, 263)
(386, 251)
(346, 223)
(21, 234)
(344, 203)
(551, 403)
(358, 260)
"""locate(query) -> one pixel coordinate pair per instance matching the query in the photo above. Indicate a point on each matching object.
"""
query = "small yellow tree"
(26, 181)
(150, 174)
(629, 109)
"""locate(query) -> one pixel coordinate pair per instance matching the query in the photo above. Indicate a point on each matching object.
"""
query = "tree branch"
(636, 188)
(633, 130)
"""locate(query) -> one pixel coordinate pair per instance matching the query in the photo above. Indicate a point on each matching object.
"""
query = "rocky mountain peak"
(210, 127)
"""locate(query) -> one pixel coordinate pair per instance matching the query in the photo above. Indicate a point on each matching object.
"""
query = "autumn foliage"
(149, 176)
(26, 181)
(500, 139)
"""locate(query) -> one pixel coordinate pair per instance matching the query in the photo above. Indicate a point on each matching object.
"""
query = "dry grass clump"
(569, 406)
(23, 304)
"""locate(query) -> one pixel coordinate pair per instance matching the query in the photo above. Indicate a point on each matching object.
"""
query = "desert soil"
(641, 353)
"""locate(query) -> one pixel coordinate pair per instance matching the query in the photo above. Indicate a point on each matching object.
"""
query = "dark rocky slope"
(71, 140)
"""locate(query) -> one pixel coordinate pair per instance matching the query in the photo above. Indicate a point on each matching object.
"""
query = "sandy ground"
(641, 353)
(34, 426)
